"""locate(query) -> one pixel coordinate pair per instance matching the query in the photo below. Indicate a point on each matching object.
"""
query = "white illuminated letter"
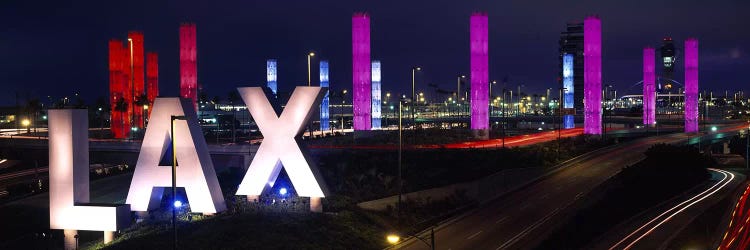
(69, 177)
(279, 145)
(195, 171)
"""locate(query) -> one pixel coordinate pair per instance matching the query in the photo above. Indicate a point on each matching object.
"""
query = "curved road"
(522, 219)
(667, 221)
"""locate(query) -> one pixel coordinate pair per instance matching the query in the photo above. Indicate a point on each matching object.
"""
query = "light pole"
(400, 149)
(458, 87)
(309, 84)
(174, 179)
(561, 100)
(132, 90)
(505, 117)
(414, 121)
(491, 106)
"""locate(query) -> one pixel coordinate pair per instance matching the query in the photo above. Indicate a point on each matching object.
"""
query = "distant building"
(668, 58)
(571, 42)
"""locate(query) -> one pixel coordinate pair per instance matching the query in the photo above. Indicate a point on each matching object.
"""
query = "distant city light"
(25, 122)
(713, 129)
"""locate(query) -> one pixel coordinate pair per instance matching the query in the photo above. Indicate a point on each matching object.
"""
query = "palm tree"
(142, 101)
(32, 108)
(121, 106)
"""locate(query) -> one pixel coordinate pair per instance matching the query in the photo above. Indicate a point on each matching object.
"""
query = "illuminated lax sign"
(69, 162)
(279, 145)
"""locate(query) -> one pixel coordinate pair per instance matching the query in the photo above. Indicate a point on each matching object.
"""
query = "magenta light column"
(691, 85)
(479, 74)
(592, 75)
(649, 90)
(361, 71)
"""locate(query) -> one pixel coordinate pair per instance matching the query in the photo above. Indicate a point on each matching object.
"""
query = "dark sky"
(58, 48)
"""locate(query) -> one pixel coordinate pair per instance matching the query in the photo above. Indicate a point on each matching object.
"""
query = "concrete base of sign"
(70, 238)
(140, 216)
(482, 134)
(253, 198)
(109, 236)
(316, 204)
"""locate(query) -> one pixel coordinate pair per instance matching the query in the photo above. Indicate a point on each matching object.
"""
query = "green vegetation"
(363, 175)
(258, 230)
(666, 172)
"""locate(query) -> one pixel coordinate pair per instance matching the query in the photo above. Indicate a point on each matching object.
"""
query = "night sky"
(57, 48)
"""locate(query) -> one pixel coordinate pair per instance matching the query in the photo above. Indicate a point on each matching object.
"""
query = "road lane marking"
(578, 196)
(528, 229)
(501, 220)
(474, 235)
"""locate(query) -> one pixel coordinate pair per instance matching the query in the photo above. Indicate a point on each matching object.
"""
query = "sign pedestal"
(316, 204)
(253, 198)
(109, 236)
(70, 239)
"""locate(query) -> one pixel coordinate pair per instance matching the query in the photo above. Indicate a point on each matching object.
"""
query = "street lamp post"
(309, 84)
(400, 149)
(413, 120)
(132, 89)
(561, 100)
(174, 179)
(458, 87)
(492, 108)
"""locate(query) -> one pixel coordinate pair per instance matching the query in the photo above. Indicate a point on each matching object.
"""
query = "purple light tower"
(592, 75)
(691, 85)
(649, 90)
(361, 71)
(479, 73)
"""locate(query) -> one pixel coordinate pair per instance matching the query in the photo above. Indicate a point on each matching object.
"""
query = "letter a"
(279, 144)
(195, 172)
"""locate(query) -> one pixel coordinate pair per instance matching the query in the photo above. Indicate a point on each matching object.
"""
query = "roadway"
(522, 219)
(655, 228)
(737, 234)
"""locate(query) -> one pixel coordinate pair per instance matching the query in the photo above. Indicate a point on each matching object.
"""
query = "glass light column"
(361, 76)
(568, 99)
(479, 71)
(188, 63)
(376, 100)
(271, 76)
(691, 85)
(592, 75)
(649, 88)
(324, 114)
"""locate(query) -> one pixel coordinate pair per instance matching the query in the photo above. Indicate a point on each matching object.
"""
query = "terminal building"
(571, 42)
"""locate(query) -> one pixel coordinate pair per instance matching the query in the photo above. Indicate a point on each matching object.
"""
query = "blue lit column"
(376, 101)
(271, 76)
(324, 122)
(568, 120)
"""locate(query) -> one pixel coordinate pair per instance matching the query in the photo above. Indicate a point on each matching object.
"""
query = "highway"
(737, 234)
(522, 219)
(653, 229)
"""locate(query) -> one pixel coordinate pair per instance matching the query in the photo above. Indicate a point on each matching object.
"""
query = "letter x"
(278, 144)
